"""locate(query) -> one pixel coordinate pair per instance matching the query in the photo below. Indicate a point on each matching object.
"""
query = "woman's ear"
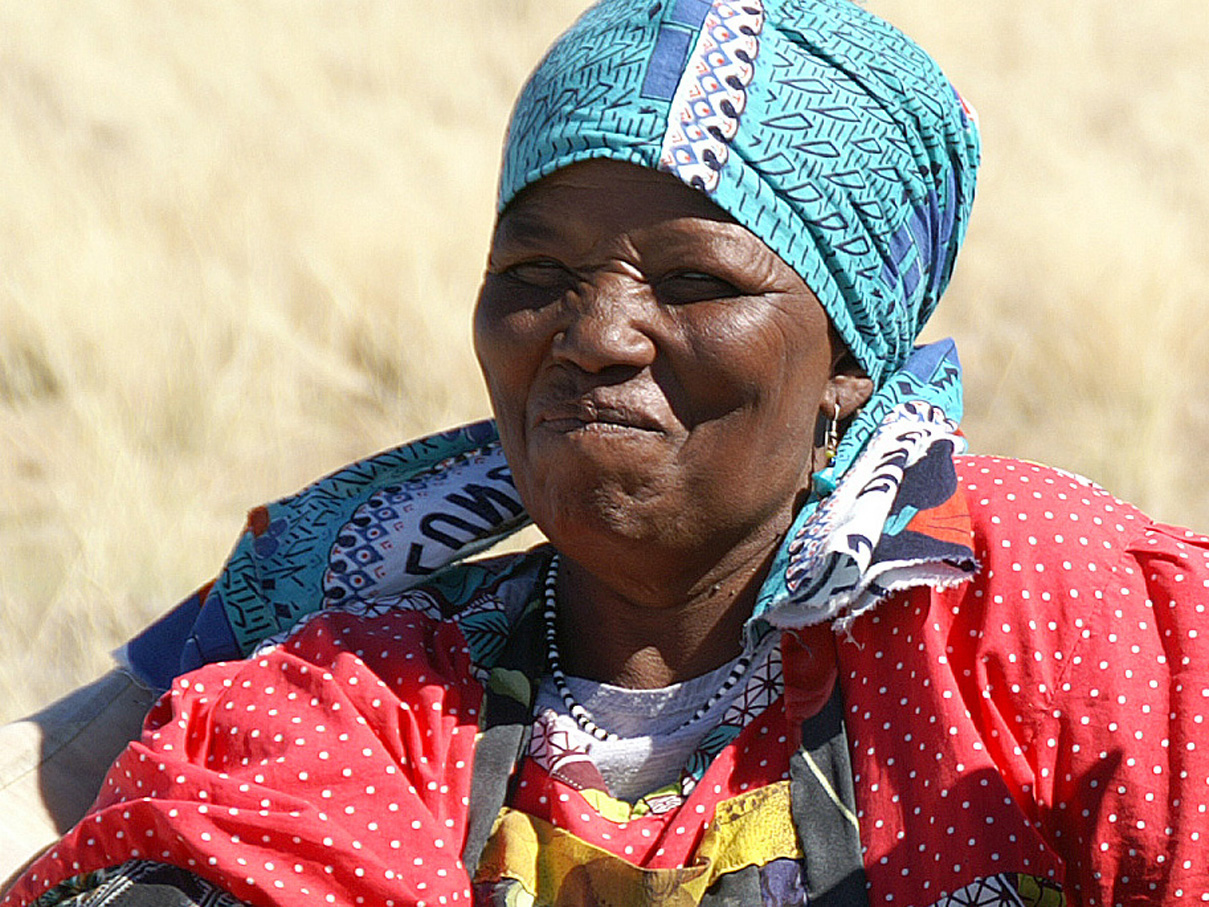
(848, 388)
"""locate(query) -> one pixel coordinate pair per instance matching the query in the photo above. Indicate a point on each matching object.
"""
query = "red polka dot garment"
(1047, 717)
(333, 770)
(1044, 719)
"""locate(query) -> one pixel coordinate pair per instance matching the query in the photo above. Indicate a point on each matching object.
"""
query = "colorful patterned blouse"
(1029, 736)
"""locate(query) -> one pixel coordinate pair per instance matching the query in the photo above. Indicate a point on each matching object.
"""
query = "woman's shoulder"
(1068, 668)
(1027, 510)
(1066, 567)
(994, 484)
(1043, 508)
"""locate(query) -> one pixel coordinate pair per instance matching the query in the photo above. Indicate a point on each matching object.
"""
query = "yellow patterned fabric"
(555, 867)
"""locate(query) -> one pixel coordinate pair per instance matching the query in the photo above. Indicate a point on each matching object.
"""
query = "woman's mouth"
(586, 415)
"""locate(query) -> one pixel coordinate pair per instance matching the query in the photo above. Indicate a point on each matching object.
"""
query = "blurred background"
(240, 243)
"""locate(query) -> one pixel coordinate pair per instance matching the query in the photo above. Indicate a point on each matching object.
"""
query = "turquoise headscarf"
(821, 128)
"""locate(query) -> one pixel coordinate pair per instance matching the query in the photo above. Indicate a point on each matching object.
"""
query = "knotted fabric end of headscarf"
(896, 520)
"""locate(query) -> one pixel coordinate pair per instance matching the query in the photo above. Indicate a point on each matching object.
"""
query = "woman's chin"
(621, 461)
(586, 515)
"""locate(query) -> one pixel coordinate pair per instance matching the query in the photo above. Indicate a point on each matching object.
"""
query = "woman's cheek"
(507, 330)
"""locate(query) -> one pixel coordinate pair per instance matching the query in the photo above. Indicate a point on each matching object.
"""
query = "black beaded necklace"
(581, 715)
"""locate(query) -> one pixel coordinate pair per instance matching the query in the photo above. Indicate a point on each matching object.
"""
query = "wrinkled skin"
(658, 375)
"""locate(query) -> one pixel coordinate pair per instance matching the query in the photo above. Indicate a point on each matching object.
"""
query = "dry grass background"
(240, 240)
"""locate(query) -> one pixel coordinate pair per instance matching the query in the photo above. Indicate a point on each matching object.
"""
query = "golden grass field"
(240, 241)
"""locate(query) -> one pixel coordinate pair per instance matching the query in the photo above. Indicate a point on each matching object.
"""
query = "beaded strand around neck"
(581, 715)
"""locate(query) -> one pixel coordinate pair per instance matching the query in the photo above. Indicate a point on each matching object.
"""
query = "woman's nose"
(608, 324)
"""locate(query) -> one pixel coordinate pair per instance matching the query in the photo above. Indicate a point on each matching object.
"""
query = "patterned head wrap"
(821, 128)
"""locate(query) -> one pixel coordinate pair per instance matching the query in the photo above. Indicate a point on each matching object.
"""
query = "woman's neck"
(647, 633)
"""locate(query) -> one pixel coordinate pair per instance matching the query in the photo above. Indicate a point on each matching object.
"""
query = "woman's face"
(656, 371)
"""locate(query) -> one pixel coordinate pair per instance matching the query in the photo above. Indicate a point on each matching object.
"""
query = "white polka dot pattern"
(1046, 718)
(326, 771)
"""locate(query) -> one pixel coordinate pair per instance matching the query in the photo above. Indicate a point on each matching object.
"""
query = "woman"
(788, 644)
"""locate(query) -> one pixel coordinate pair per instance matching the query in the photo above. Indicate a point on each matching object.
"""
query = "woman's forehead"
(602, 193)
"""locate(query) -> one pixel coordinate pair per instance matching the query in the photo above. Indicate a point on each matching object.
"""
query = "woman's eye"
(694, 286)
(543, 273)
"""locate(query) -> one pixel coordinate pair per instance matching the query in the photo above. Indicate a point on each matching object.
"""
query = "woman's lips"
(592, 415)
